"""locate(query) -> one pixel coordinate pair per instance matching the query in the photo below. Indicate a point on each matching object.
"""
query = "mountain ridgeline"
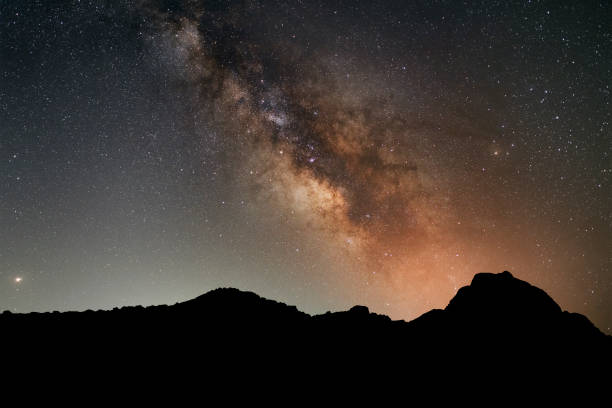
(496, 315)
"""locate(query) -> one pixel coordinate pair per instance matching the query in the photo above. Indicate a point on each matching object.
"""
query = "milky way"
(328, 154)
(346, 162)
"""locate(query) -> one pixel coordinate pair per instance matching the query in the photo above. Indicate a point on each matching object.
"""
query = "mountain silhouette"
(496, 318)
(501, 308)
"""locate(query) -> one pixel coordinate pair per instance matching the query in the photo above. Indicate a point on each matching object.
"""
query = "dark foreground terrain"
(496, 324)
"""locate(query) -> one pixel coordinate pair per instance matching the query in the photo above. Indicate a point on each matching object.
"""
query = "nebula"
(412, 186)
(323, 154)
(348, 163)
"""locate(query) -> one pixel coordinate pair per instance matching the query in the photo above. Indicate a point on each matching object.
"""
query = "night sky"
(320, 153)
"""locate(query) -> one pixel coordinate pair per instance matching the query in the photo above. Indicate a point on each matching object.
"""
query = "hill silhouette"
(496, 318)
